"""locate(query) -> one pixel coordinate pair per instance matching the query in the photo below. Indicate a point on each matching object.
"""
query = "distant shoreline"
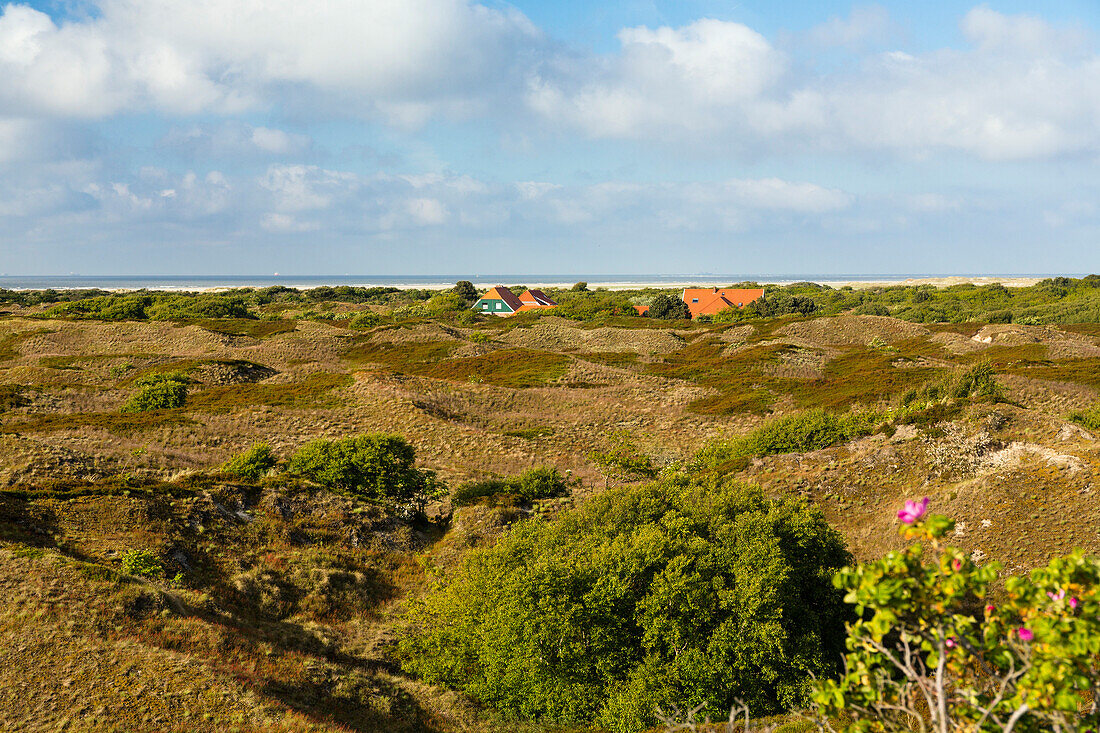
(623, 282)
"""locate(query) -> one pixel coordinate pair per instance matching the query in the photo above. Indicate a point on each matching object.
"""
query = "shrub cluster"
(376, 467)
(158, 392)
(700, 594)
(142, 562)
(252, 464)
(797, 433)
(535, 483)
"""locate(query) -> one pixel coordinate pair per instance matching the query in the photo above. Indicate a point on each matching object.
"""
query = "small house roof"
(536, 298)
(502, 293)
(712, 300)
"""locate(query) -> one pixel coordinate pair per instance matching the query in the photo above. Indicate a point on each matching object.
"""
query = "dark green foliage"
(580, 287)
(252, 464)
(466, 290)
(377, 467)
(535, 483)
(669, 308)
(643, 596)
(158, 392)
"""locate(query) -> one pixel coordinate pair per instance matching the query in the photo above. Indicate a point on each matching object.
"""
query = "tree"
(581, 287)
(465, 290)
(931, 650)
(377, 467)
(669, 307)
(642, 596)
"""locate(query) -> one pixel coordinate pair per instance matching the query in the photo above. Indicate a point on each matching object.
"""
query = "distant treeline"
(1053, 300)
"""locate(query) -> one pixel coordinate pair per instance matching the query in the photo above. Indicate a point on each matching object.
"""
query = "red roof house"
(532, 299)
(708, 301)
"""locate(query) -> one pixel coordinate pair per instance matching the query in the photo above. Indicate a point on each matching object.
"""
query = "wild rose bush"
(934, 652)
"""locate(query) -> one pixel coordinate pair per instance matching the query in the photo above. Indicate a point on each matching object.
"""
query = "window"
(500, 305)
(694, 300)
(485, 306)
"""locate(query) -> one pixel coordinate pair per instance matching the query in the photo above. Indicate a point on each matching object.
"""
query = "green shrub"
(158, 392)
(377, 467)
(669, 307)
(142, 562)
(797, 433)
(1089, 418)
(977, 381)
(365, 319)
(644, 595)
(933, 643)
(535, 483)
(252, 464)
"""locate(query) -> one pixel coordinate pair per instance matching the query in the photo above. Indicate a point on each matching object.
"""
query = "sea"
(612, 281)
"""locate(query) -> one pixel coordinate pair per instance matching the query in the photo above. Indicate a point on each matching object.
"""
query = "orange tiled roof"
(709, 301)
(536, 299)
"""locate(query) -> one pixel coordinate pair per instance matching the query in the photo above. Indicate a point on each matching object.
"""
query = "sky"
(421, 137)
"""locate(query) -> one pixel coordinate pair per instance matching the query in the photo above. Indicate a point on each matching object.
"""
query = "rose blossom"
(913, 510)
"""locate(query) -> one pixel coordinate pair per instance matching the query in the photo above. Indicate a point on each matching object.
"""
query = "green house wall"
(504, 307)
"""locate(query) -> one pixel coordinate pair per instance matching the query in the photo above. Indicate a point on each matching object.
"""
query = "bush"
(798, 433)
(977, 381)
(143, 563)
(158, 392)
(466, 290)
(932, 647)
(251, 464)
(534, 483)
(669, 307)
(377, 467)
(1089, 418)
(667, 592)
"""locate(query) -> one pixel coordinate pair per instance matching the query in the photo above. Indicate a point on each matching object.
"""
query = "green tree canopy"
(376, 466)
(669, 307)
(465, 290)
(644, 595)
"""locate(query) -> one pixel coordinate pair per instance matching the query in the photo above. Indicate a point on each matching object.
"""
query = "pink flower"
(1025, 633)
(950, 642)
(1057, 596)
(989, 608)
(957, 564)
(913, 510)
(1073, 603)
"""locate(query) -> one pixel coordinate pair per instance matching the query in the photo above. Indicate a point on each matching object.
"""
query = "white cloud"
(1024, 89)
(406, 59)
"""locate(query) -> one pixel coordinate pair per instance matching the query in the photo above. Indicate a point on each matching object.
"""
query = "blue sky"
(453, 137)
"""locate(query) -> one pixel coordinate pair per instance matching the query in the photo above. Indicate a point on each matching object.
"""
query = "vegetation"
(703, 594)
(934, 649)
(252, 464)
(158, 392)
(796, 433)
(623, 460)
(669, 307)
(1089, 418)
(143, 563)
(535, 483)
(376, 467)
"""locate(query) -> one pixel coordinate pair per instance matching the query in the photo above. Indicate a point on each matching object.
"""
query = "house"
(500, 301)
(532, 299)
(708, 301)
